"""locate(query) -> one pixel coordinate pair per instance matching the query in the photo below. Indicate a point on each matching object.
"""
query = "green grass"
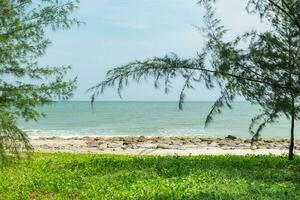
(72, 176)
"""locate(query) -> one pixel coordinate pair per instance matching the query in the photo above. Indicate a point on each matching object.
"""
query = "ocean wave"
(35, 133)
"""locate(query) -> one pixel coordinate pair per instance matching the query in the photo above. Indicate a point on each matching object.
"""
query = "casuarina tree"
(263, 67)
(26, 84)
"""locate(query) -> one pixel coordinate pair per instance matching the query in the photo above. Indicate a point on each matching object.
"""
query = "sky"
(120, 31)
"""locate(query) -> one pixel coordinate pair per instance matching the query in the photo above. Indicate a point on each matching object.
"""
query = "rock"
(94, 143)
(261, 142)
(241, 145)
(128, 146)
(102, 147)
(232, 144)
(279, 146)
(261, 147)
(198, 140)
(213, 144)
(221, 144)
(55, 138)
(44, 146)
(114, 145)
(141, 139)
(187, 141)
(126, 143)
(237, 143)
(73, 138)
(247, 141)
(87, 138)
(163, 146)
(246, 146)
(268, 141)
(203, 144)
(191, 141)
(230, 137)
(175, 142)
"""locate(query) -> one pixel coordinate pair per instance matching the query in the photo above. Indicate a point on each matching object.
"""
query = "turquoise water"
(147, 118)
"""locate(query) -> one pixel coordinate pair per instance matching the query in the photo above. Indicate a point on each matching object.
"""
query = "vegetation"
(73, 176)
(264, 68)
(24, 83)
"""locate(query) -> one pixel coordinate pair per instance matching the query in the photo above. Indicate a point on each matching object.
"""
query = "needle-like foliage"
(264, 67)
(24, 83)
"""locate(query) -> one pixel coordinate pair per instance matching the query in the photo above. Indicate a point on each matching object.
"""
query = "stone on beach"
(103, 146)
(161, 145)
(93, 143)
(141, 139)
(213, 144)
(164, 146)
(230, 137)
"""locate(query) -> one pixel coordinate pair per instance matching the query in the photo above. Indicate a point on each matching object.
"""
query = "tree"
(272, 59)
(24, 83)
(276, 57)
(289, 9)
(265, 72)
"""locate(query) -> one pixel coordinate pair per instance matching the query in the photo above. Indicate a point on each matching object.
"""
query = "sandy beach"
(162, 145)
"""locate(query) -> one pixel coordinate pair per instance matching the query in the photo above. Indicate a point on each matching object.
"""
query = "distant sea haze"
(77, 118)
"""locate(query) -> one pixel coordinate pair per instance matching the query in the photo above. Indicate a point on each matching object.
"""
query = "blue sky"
(119, 31)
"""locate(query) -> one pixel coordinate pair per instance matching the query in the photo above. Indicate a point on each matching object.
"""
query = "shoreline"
(162, 145)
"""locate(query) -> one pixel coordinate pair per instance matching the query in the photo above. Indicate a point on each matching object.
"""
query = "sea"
(122, 118)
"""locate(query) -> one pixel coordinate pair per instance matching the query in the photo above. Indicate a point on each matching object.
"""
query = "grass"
(72, 176)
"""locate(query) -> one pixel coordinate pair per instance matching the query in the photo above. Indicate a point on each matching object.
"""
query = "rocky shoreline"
(162, 145)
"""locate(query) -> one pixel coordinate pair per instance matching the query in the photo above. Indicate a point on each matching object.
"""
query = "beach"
(153, 128)
(157, 145)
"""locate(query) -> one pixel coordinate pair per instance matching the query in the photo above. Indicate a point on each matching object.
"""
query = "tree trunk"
(291, 148)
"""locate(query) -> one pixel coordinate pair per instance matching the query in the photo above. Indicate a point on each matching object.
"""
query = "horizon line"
(139, 101)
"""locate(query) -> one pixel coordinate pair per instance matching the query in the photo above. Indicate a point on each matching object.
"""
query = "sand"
(180, 146)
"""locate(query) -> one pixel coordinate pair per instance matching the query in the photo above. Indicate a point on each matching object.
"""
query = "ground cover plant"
(82, 176)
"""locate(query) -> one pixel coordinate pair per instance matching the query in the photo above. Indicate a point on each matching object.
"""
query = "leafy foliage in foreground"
(72, 176)
(26, 84)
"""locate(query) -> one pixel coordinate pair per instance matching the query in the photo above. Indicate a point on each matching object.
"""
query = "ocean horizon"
(148, 118)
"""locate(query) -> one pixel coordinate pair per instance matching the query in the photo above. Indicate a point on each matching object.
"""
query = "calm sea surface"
(147, 118)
